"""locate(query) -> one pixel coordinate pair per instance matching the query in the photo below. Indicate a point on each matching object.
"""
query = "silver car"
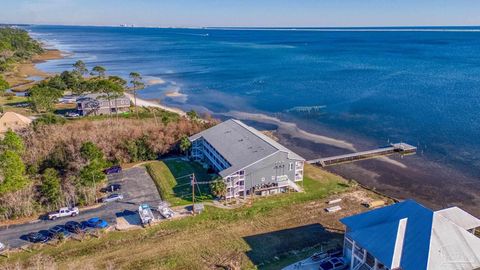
(113, 198)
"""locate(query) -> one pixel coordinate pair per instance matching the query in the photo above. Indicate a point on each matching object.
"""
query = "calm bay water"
(381, 85)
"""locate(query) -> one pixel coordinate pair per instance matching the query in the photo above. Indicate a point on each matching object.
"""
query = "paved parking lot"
(137, 188)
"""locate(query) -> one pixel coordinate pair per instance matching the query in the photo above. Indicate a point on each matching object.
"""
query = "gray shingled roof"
(241, 145)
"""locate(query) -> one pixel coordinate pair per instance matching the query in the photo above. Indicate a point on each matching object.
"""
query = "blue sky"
(269, 13)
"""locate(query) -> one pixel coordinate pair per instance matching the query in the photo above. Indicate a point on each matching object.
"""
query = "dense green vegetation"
(43, 99)
(16, 45)
(3, 85)
(12, 168)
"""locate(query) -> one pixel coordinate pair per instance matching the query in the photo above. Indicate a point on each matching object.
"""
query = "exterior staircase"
(362, 266)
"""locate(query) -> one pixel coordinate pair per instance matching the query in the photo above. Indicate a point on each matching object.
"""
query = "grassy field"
(9, 104)
(268, 234)
(160, 115)
(173, 181)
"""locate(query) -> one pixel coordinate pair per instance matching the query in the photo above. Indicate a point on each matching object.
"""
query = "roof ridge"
(264, 137)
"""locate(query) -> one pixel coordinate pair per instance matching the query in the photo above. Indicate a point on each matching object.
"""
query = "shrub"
(48, 119)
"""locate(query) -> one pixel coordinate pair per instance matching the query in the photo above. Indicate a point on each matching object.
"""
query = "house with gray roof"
(409, 236)
(249, 161)
(98, 104)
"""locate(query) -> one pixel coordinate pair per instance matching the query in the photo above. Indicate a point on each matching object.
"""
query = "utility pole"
(193, 193)
(94, 186)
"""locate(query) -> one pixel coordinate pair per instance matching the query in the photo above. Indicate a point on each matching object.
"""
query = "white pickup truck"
(64, 212)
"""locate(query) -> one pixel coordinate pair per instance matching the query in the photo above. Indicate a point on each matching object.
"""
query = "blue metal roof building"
(409, 236)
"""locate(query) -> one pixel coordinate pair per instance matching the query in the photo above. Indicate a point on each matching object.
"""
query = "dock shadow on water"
(267, 248)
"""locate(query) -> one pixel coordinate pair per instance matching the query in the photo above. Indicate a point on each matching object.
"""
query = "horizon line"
(245, 27)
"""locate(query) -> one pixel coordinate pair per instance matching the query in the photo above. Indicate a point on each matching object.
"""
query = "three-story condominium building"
(249, 161)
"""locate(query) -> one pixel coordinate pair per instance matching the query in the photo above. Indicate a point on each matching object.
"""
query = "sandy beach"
(151, 103)
(20, 77)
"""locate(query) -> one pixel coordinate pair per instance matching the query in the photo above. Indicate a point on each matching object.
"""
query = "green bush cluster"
(140, 150)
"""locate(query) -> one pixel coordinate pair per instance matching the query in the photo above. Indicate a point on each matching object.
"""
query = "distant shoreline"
(20, 78)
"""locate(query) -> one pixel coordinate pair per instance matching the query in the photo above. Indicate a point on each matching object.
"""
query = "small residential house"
(13, 121)
(97, 104)
(249, 161)
(409, 236)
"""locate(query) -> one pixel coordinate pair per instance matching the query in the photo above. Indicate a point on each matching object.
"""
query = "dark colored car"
(97, 223)
(58, 230)
(38, 237)
(111, 188)
(113, 169)
(333, 264)
(75, 227)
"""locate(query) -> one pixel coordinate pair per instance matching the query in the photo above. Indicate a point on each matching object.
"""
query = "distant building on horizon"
(248, 161)
(409, 236)
(97, 105)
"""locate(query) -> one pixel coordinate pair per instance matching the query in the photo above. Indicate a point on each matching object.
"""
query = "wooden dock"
(400, 148)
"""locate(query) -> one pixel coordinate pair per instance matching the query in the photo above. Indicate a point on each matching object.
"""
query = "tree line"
(15, 46)
(45, 95)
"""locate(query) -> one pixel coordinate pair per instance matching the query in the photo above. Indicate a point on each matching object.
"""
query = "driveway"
(137, 188)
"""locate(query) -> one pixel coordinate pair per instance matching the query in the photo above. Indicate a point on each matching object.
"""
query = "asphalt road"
(137, 188)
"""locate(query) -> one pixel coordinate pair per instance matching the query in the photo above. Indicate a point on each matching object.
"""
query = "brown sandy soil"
(18, 78)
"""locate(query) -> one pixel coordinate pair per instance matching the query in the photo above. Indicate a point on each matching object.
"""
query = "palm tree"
(137, 83)
(185, 144)
(99, 71)
(218, 188)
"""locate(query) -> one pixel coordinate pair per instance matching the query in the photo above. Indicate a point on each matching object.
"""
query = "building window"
(290, 166)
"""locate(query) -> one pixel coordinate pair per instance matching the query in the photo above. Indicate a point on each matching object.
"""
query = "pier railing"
(401, 148)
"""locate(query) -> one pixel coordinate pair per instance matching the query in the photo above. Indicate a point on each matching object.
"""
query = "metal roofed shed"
(410, 236)
(247, 159)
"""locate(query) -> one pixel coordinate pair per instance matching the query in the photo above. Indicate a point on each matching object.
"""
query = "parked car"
(97, 223)
(64, 212)
(113, 169)
(2, 247)
(111, 188)
(38, 237)
(320, 256)
(75, 227)
(72, 114)
(59, 231)
(333, 264)
(112, 198)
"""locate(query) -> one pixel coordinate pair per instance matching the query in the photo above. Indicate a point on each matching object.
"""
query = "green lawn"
(173, 182)
(175, 188)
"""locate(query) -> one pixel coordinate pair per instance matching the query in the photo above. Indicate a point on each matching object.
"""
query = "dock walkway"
(401, 148)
